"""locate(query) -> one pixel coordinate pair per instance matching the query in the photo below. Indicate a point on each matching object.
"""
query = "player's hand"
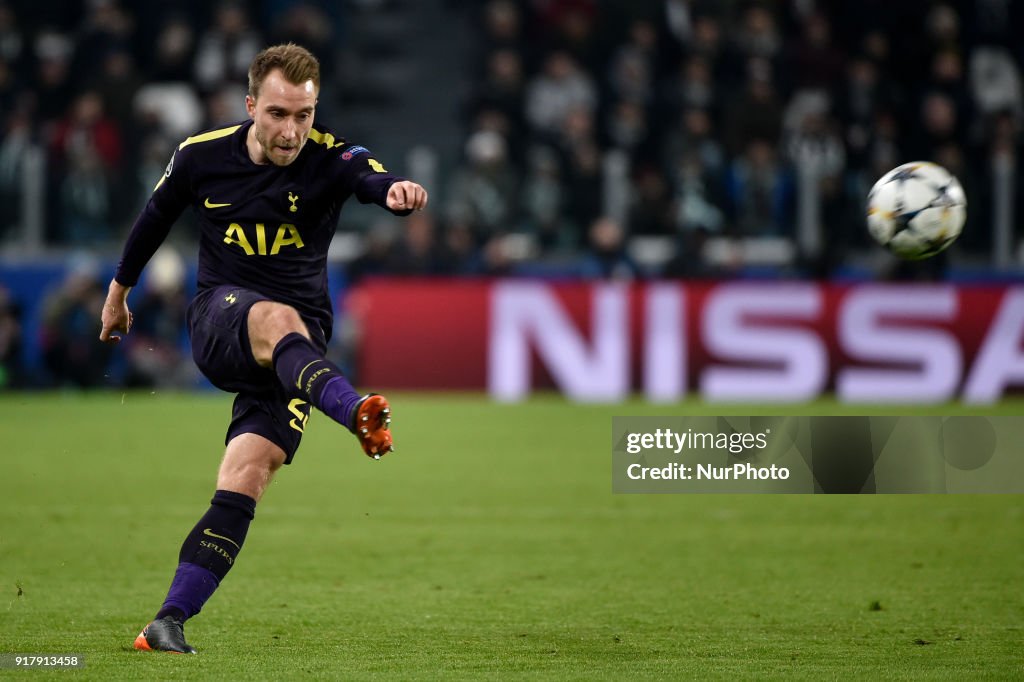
(115, 316)
(406, 195)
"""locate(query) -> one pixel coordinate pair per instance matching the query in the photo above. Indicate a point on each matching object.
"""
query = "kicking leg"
(212, 547)
(279, 340)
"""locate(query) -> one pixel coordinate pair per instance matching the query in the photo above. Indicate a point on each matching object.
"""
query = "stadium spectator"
(997, 195)
(376, 250)
(584, 188)
(485, 192)
(117, 80)
(570, 27)
(8, 91)
(222, 106)
(755, 112)
(706, 42)
(416, 252)
(692, 87)
(688, 261)
(224, 52)
(543, 200)
(105, 27)
(578, 130)
(697, 197)
(627, 128)
(166, 108)
(501, 90)
(818, 158)
(458, 254)
(86, 163)
(995, 81)
(154, 351)
(12, 40)
(501, 24)
(759, 192)
(314, 23)
(321, 26)
(939, 124)
(10, 341)
(15, 144)
(175, 50)
(651, 211)
(560, 88)
(496, 257)
(857, 102)
(52, 86)
(68, 331)
(816, 62)
(606, 256)
(693, 136)
(758, 35)
(632, 72)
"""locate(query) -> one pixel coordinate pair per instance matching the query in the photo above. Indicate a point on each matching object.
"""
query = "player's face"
(282, 115)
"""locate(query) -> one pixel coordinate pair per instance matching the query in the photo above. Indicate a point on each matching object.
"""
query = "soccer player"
(268, 192)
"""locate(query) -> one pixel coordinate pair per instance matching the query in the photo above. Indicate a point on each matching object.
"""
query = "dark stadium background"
(639, 208)
(560, 140)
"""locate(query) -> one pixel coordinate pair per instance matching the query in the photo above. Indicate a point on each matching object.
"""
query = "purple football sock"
(191, 587)
(305, 372)
(338, 400)
(208, 553)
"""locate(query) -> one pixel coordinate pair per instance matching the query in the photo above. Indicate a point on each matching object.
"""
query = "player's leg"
(244, 342)
(211, 549)
(264, 434)
(249, 464)
(280, 341)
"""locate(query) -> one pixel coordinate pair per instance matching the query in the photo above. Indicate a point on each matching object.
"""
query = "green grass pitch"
(489, 546)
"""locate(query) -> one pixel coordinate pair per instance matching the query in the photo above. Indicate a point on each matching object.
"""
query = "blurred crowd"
(587, 123)
(106, 89)
(591, 124)
(94, 95)
(592, 138)
(63, 334)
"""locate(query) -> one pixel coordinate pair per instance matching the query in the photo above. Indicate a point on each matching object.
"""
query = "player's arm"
(169, 198)
(372, 184)
(398, 195)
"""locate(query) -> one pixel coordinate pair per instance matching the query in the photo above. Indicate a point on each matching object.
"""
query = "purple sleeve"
(169, 199)
(365, 177)
(372, 188)
(148, 233)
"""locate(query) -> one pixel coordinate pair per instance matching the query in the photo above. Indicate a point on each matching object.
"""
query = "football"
(916, 210)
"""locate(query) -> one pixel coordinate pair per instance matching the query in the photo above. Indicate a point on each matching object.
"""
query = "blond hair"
(296, 63)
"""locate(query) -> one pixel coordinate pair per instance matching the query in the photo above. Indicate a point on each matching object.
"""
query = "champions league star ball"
(916, 210)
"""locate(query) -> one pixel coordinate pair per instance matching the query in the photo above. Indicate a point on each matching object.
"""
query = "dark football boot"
(165, 634)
